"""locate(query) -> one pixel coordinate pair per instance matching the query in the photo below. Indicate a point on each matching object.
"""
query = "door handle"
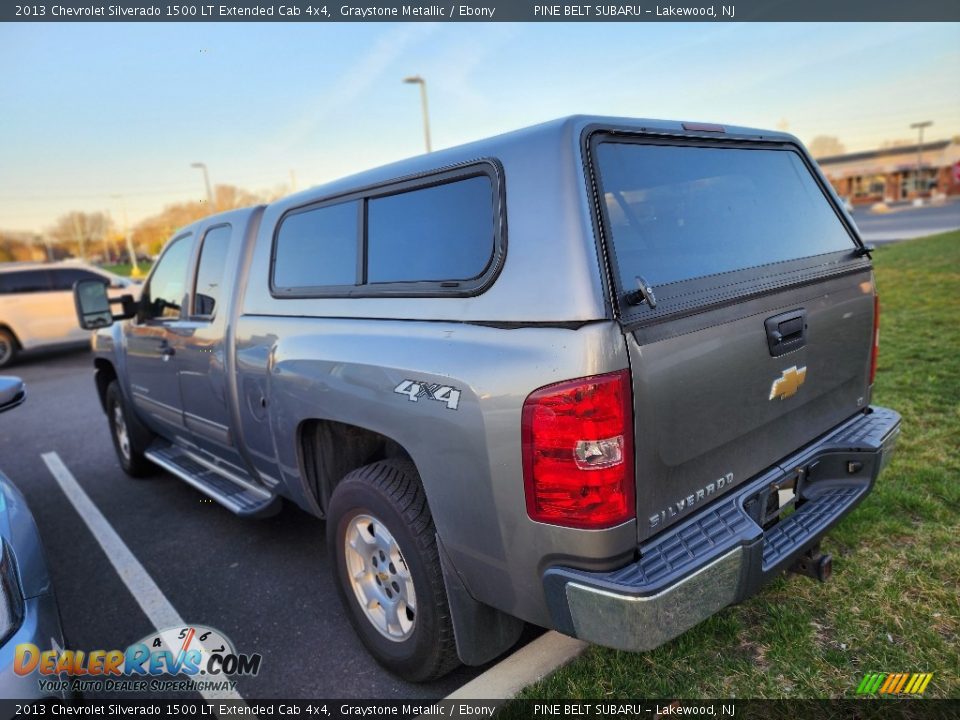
(786, 332)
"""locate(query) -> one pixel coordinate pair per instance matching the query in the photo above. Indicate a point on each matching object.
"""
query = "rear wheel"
(382, 545)
(8, 347)
(130, 438)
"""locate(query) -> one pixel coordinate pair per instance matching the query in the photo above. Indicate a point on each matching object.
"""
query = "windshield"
(679, 211)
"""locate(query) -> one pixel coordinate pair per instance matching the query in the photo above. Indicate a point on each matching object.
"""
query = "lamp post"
(48, 248)
(417, 80)
(206, 181)
(134, 267)
(919, 126)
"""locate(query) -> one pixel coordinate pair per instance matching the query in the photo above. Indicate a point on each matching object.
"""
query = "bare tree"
(81, 234)
(230, 197)
(20, 247)
(152, 232)
(78, 231)
(825, 146)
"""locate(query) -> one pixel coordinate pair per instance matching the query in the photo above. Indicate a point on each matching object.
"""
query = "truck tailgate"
(714, 407)
(747, 304)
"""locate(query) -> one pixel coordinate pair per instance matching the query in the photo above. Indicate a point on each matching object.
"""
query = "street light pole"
(48, 248)
(206, 180)
(134, 267)
(107, 240)
(417, 80)
(919, 126)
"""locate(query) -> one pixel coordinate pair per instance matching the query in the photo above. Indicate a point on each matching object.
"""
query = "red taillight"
(875, 351)
(578, 452)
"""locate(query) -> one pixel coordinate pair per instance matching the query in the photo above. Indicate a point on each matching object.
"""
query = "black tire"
(389, 492)
(8, 347)
(129, 453)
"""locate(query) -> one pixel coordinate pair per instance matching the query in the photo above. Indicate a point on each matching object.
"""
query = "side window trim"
(145, 293)
(456, 288)
(192, 314)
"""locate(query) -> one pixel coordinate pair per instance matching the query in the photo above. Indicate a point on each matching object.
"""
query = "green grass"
(893, 603)
(125, 268)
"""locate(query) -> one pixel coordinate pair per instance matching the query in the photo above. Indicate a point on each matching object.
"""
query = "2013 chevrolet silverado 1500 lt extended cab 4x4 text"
(602, 375)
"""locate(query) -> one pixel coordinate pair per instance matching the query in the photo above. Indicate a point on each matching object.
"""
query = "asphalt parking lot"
(906, 221)
(264, 583)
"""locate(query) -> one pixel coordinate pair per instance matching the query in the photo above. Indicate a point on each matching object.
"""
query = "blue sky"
(92, 110)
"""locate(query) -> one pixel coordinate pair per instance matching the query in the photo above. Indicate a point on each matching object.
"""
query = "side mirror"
(12, 393)
(93, 305)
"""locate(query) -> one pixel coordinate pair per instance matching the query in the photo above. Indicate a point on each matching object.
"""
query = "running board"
(238, 494)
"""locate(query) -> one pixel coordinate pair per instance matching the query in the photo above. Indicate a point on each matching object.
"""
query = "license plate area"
(776, 501)
(781, 500)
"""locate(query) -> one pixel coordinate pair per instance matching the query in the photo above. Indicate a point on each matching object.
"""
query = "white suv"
(36, 304)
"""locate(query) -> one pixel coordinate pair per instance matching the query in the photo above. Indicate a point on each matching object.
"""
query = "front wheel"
(8, 347)
(130, 438)
(382, 545)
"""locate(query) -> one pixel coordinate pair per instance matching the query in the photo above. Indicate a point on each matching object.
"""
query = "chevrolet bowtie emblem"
(788, 383)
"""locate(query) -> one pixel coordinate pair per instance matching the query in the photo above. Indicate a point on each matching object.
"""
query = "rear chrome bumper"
(723, 554)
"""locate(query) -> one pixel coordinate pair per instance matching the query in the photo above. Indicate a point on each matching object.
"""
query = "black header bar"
(319, 11)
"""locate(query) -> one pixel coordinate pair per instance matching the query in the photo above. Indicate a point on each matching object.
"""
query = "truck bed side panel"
(348, 371)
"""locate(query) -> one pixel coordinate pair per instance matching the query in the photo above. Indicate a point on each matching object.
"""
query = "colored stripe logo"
(894, 683)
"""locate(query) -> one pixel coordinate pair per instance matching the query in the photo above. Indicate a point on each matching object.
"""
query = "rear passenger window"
(445, 232)
(25, 281)
(317, 247)
(66, 278)
(210, 273)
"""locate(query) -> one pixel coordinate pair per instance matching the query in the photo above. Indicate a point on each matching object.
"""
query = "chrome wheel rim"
(380, 578)
(120, 430)
(6, 350)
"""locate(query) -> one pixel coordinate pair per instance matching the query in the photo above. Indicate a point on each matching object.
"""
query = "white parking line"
(144, 590)
(526, 666)
(534, 661)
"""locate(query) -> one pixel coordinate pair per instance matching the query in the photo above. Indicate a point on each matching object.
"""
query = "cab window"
(163, 296)
(210, 273)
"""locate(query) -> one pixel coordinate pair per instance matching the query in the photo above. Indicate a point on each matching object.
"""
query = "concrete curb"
(533, 662)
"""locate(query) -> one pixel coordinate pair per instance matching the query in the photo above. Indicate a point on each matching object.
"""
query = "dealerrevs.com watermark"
(194, 658)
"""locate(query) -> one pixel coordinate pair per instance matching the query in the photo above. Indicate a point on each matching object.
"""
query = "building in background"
(890, 174)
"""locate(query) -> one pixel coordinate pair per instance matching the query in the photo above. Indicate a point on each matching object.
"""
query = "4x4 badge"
(788, 383)
(415, 390)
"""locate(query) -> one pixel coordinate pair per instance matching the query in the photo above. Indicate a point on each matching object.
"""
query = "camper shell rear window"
(696, 219)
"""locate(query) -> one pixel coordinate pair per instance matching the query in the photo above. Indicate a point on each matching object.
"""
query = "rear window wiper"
(865, 250)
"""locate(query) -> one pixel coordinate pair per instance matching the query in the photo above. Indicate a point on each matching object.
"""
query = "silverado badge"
(788, 383)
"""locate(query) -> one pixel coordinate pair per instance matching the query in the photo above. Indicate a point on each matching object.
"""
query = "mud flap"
(481, 632)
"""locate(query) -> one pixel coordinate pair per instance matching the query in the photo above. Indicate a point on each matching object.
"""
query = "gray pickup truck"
(602, 375)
